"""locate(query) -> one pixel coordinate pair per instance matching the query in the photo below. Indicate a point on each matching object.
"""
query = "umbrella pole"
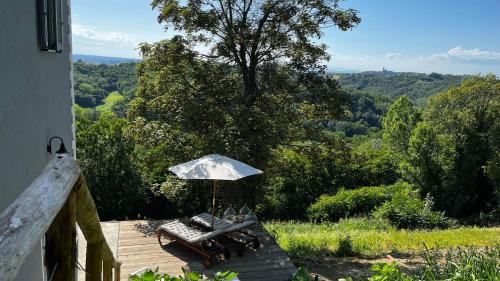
(213, 204)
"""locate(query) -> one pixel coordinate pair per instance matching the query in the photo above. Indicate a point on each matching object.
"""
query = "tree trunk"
(251, 87)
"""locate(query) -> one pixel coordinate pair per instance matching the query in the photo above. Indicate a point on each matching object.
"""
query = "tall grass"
(372, 237)
(460, 264)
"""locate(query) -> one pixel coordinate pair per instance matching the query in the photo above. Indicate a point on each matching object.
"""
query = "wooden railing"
(51, 206)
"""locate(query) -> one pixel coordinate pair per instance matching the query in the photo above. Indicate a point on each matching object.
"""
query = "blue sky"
(423, 36)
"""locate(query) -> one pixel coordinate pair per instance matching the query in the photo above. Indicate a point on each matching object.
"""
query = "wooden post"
(93, 262)
(25, 222)
(60, 242)
(117, 271)
(107, 270)
(213, 203)
(97, 248)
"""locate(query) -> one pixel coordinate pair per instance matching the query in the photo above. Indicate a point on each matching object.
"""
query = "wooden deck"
(137, 247)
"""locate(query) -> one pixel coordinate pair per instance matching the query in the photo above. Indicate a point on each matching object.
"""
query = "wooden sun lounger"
(194, 239)
(236, 231)
(197, 240)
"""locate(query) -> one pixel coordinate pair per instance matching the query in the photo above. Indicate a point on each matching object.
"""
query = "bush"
(345, 247)
(108, 163)
(387, 272)
(407, 210)
(150, 275)
(347, 203)
(296, 177)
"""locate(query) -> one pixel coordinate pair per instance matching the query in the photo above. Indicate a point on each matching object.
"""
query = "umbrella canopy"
(214, 167)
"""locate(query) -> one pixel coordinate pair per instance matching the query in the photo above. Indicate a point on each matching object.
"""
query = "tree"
(106, 158)
(250, 33)
(398, 124)
(198, 106)
(453, 153)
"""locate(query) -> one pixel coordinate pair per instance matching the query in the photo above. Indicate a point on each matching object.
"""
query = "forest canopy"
(416, 150)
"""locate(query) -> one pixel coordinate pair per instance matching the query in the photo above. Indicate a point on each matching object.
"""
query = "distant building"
(36, 98)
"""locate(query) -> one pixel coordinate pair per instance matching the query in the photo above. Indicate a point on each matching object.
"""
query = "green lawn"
(111, 100)
(373, 238)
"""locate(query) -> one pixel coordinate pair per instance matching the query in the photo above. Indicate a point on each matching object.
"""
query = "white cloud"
(460, 54)
(473, 53)
(100, 36)
(394, 56)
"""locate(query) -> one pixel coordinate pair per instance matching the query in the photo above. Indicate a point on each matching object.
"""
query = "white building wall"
(35, 104)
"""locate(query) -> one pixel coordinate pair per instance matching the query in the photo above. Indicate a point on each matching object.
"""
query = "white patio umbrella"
(214, 167)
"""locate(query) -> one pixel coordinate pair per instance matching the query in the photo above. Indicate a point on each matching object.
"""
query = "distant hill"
(102, 59)
(94, 83)
(108, 84)
(417, 86)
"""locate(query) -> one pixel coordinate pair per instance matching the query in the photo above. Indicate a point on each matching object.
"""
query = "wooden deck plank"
(138, 247)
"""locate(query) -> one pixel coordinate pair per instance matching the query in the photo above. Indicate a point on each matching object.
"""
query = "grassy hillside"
(95, 82)
(417, 86)
(112, 100)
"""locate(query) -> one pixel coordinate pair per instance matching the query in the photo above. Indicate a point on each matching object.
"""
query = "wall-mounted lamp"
(62, 148)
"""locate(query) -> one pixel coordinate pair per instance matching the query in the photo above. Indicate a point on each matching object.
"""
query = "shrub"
(347, 203)
(407, 210)
(387, 272)
(302, 274)
(345, 247)
(150, 275)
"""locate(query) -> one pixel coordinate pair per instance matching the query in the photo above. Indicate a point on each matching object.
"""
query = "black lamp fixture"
(62, 148)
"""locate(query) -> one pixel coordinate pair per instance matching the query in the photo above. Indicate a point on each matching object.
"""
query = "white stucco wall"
(35, 104)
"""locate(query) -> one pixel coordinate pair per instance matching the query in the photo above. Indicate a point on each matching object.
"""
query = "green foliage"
(399, 123)
(417, 86)
(407, 210)
(107, 161)
(370, 94)
(372, 237)
(460, 264)
(345, 247)
(302, 275)
(251, 34)
(186, 108)
(346, 203)
(452, 154)
(387, 272)
(150, 275)
(298, 175)
(94, 82)
(364, 116)
(373, 164)
(110, 102)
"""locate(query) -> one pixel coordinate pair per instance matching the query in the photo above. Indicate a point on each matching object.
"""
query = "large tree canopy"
(249, 33)
(453, 153)
(186, 107)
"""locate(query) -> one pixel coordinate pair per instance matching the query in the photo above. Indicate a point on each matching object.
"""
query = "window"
(50, 13)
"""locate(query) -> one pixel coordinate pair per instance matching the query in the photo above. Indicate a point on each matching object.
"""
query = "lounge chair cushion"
(205, 219)
(187, 233)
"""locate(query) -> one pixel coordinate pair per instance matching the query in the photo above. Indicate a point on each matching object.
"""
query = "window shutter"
(42, 25)
(59, 18)
(51, 25)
